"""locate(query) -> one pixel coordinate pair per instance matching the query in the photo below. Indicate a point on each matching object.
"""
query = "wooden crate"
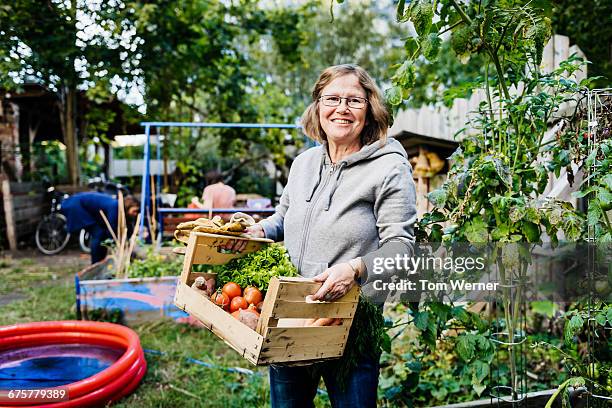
(278, 338)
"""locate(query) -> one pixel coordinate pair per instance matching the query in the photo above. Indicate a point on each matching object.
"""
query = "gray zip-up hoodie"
(330, 214)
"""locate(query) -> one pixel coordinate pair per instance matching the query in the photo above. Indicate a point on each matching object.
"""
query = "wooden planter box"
(278, 338)
(537, 399)
(139, 300)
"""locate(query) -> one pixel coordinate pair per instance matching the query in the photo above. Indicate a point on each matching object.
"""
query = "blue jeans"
(296, 387)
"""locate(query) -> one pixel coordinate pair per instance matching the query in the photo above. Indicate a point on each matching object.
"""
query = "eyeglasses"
(354, 102)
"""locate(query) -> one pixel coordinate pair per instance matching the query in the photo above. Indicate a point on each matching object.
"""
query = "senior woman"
(346, 202)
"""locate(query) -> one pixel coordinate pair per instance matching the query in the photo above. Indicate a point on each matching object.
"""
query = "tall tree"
(65, 46)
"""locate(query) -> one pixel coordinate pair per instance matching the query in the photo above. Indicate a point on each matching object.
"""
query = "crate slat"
(245, 341)
(300, 353)
(265, 318)
(313, 310)
(280, 336)
(206, 251)
(297, 291)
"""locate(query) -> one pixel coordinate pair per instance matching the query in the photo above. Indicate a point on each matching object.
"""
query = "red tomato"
(232, 290)
(238, 303)
(221, 299)
(252, 295)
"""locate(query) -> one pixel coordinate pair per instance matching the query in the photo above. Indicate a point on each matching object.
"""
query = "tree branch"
(464, 16)
(227, 174)
(450, 27)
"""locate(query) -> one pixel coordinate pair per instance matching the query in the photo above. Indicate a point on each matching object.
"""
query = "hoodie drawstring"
(318, 181)
(334, 186)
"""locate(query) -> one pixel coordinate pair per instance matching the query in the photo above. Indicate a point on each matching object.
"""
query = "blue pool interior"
(53, 365)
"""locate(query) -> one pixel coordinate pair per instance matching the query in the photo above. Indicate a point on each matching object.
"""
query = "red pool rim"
(110, 384)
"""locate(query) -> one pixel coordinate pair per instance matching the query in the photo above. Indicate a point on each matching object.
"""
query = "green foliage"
(493, 190)
(587, 327)
(256, 268)
(367, 337)
(461, 40)
(444, 355)
(597, 187)
(431, 46)
(71, 47)
(504, 35)
(50, 159)
(421, 13)
(114, 315)
(155, 265)
(580, 22)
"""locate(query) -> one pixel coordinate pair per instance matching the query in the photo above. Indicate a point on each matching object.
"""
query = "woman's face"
(343, 124)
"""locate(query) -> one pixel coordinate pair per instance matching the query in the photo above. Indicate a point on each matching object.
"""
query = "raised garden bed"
(129, 301)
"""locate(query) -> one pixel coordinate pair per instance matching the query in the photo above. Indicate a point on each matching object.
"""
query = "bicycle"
(51, 234)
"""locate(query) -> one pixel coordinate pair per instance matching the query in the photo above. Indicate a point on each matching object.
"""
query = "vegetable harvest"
(251, 272)
(257, 268)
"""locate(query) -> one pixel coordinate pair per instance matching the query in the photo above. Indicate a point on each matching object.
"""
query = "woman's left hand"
(337, 281)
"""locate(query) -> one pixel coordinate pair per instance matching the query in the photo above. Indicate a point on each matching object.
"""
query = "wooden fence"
(24, 206)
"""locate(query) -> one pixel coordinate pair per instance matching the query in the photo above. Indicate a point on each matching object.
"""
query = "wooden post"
(9, 215)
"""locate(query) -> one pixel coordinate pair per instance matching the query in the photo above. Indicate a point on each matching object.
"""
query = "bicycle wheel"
(51, 234)
(84, 241)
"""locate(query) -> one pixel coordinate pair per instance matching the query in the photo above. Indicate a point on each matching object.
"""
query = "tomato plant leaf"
(604, 196)
(480, 372)
(531, 231)
(465, 347)
(422, 14)
(479, 388)
(607, 181)
(437, 197)
(430, 46)
(543, 307)
(421, 320)
(594, 213)
(601, 319)
(476, 230)
(393, 95)
(500, 232)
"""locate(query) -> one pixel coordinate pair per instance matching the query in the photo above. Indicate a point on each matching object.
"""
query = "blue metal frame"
(146, 188)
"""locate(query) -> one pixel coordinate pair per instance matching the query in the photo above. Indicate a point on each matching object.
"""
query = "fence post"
(9, 214)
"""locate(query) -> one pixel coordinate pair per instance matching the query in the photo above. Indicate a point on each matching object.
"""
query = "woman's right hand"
(256, 231)
(238, 245)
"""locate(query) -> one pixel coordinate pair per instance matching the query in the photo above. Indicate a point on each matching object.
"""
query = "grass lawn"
(31, 290)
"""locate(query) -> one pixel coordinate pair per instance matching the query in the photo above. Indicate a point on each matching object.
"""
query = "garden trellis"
(146, 203)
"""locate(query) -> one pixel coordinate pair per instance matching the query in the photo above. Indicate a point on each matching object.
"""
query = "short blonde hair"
(377, 116)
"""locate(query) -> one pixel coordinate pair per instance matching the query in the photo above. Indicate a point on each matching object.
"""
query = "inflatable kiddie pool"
(68, 363)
